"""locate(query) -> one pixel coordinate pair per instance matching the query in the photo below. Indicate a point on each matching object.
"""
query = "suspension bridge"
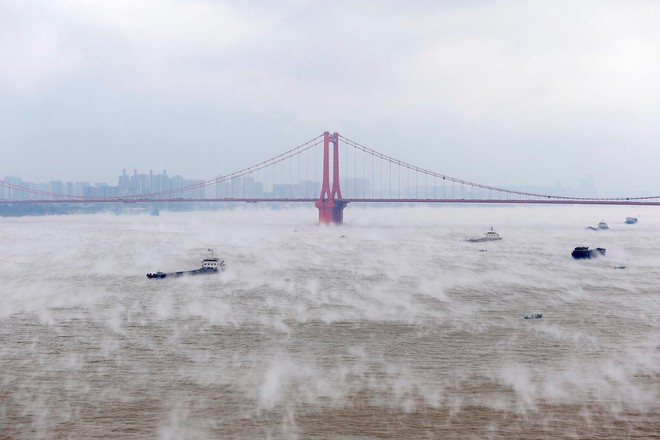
(306, 174)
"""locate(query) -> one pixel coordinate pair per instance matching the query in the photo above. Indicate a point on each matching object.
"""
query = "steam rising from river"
(390, 326)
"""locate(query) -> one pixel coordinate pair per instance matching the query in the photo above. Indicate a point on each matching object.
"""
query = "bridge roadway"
(549, 201)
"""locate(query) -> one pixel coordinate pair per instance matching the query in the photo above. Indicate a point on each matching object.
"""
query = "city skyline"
(244, 186)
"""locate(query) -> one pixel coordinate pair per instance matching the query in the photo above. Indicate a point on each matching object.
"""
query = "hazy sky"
(499, 92)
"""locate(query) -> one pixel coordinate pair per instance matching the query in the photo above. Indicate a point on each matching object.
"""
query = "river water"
(389, 326)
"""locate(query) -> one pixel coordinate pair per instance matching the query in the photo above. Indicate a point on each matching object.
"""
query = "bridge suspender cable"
(408, 166)
(265, 168)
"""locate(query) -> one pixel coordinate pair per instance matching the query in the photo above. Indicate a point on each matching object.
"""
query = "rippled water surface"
(390, 326)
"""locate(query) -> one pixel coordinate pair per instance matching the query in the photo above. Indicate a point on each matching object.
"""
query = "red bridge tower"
(330, 203)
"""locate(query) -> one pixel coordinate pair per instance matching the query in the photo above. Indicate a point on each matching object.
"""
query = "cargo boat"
(210, 265)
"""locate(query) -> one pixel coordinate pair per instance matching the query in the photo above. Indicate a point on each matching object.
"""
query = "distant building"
(163, 186)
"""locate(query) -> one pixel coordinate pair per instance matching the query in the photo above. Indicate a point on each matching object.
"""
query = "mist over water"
(389, 326)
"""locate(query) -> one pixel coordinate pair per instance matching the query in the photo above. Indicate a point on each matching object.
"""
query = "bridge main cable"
(245, 171)
(479, 185)
(261, 165)
(40, 192)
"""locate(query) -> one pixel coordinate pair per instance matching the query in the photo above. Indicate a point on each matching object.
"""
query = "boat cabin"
(211, 263)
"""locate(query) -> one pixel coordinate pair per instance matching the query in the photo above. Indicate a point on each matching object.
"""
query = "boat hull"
(201, 271)
(481, 240)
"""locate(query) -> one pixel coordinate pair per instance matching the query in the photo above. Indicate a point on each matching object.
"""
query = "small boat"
(602, 226)
(210, 265)
(631, 220)
(534, 316)
(584, 252)
(488, 236)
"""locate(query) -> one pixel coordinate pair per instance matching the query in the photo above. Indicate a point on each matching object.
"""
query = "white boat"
(602, 226)
(534, 316)
(488, 236)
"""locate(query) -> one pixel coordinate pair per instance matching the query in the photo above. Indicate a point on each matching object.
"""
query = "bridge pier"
(331, 211)
(330, 203)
